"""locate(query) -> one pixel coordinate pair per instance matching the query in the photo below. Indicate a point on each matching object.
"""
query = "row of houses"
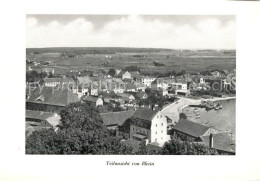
(153, 128)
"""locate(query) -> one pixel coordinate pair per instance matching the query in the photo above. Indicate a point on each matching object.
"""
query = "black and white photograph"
(129, 90)
(130, 84)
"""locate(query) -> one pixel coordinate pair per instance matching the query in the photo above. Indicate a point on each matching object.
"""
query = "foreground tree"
(177, 147)
(81, 132)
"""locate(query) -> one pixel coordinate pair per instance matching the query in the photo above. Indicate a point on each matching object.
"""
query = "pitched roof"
(38, 115)
(85, 79)
(90, 98)
(116, 118)
(65, 80)
(191, 128)
(52, 96)
(135, 74)
(125, 127)
(124, 95)
(43, 116)
(221, 141)
(141, 94)
(145, 113)
(130, 86)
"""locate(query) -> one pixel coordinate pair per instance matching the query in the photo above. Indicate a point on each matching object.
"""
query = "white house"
(150, 126)
(124, 75)
(96, 101)
(147, 81)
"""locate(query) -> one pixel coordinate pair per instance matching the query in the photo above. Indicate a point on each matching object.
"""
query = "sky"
(142, 31)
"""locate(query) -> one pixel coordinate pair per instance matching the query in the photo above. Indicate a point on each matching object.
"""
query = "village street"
(173, 110)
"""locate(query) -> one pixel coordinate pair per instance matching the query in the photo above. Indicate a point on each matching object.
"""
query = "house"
(215, 73)
(149, 125)
(49, 99)
(53, 82)
(124, 129)
(42, 120)
(84, 84)
(226, 72)
(141, 95)
(118, 71)
(116, 86)
(136, 76)
(130, 88)
(112, 120)
(91, 100)
(126, 96)
(147, 81)
(190, 131)
(222, 142)
(49, 71)
(124, 75)
(140, 86)
(180, 87)
(199, 79)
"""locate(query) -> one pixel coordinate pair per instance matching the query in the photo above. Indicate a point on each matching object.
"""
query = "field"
(95, 59)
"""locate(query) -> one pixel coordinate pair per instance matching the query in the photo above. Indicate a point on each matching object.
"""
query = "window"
(156, 132)
(161, 137)
(133, 129)
(162, 131)
(162, 124)
(155, 139)
(161, 116)
(156, 125)
(157, 116)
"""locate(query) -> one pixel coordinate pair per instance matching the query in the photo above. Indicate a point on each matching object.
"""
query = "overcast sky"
(176, 32)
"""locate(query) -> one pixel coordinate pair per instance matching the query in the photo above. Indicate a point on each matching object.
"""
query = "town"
(126, 110)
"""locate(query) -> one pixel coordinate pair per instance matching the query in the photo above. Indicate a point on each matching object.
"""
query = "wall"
(44, 107)
(159, 129)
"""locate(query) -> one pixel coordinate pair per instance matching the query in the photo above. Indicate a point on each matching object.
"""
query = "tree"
(177, 147)
(112, 72)
(81, 132)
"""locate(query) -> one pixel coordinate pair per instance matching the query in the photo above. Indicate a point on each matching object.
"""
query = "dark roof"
(90, 98)
(221, 141)
(191, 128)
(141, 94)
(66, 79)
(132, 143)
(130, 86)
(125, 127)
(116, 118)
(38, 115)
(85, 79)
(52, 96)
(145, 113)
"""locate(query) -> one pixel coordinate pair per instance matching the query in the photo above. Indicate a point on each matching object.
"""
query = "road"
(173, 110)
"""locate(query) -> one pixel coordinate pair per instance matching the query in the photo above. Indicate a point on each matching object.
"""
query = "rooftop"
(145, 113)
(116, 118)
(66, 79)
(191, 128)
(38, 115)
(221, 141)
(90, 98)
(49, 95)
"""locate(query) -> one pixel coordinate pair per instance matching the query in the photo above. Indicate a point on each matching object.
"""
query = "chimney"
(211, 141)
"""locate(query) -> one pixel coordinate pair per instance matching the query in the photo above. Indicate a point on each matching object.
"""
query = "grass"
(121, 60)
